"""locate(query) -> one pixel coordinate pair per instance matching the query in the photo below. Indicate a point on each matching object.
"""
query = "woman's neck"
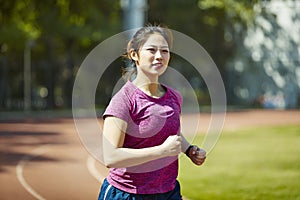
(150, 87)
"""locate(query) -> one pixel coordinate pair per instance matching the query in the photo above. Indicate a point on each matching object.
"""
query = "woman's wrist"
(187, 151)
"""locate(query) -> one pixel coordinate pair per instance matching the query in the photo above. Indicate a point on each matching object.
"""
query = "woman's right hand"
(172, 146)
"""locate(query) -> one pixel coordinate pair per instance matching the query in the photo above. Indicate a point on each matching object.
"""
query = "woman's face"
(153, 57)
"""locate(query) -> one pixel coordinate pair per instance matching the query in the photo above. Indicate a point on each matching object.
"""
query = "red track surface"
(45, 159)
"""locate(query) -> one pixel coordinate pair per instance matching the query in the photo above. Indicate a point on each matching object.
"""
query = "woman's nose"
(158, 55)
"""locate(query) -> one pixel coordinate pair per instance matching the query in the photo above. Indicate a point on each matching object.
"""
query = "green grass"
(258, 163)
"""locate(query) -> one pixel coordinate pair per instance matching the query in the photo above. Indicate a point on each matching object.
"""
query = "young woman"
(141, 134)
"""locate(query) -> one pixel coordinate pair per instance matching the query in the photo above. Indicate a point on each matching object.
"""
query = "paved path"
(45, 159)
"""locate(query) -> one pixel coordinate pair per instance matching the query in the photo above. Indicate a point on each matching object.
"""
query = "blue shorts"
(109, 192)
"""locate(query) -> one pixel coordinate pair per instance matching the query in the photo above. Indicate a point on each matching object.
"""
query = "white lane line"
(19, 170)
(92, 169)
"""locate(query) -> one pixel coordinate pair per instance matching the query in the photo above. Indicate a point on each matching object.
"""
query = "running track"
(45, 159)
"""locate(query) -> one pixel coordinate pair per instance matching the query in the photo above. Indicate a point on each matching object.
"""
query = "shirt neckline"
(148, 96)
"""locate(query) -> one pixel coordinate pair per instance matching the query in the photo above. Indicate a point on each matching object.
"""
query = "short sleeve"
(119, 106)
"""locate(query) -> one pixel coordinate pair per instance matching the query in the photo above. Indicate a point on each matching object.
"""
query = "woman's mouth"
(157, 65)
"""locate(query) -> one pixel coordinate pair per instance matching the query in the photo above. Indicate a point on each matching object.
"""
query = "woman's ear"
(133, 55)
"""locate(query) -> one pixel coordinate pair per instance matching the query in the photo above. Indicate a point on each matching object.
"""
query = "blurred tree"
(266, 64)
(63, 32)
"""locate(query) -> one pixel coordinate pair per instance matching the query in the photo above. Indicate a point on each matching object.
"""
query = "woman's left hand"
(197, 155)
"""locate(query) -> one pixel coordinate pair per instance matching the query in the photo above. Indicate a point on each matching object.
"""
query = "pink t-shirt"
(149, 123)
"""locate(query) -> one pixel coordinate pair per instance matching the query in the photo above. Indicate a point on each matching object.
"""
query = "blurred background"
(255, 45)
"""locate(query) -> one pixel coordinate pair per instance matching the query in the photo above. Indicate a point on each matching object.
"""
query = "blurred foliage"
(235, 10)
(60, 33)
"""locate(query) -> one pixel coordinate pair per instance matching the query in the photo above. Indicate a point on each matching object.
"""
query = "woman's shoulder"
(172, 91)
(120, 104)
(125, 92)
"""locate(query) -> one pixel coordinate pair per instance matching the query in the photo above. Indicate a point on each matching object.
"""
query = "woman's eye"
(151, 49)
